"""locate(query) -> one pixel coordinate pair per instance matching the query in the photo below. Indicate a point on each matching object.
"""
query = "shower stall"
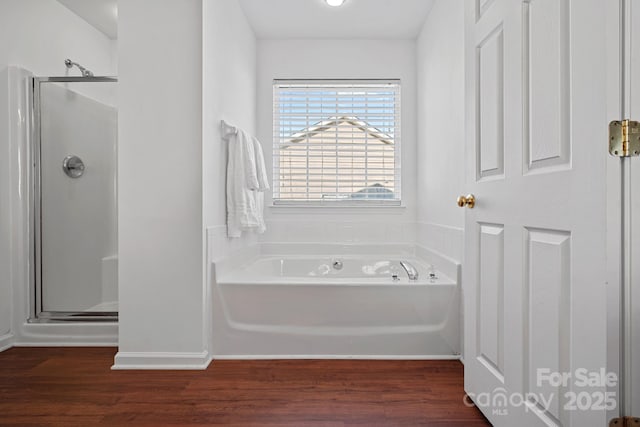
(74, 193)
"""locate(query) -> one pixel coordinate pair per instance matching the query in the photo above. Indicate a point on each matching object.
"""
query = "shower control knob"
(73, 166)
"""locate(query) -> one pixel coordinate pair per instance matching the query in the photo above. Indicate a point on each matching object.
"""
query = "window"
(336, 142)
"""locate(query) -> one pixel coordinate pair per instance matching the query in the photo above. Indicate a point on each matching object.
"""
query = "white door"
(535, 242)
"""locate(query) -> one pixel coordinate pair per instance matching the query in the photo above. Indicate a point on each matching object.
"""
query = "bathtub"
(302, 306)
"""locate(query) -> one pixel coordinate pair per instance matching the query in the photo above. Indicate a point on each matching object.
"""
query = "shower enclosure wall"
(74, 199)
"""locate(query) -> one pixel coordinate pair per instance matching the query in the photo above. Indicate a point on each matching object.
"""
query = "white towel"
(263, 184)
(244, 207)
(261, 170)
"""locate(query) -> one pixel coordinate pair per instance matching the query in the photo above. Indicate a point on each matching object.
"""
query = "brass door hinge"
(624, 138)
(625, 422)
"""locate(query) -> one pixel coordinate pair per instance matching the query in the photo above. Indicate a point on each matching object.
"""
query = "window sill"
(372, 206)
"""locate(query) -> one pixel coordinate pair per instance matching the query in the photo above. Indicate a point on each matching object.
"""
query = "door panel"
(546, 294)
(535, 259)
(547, 87)
(490, 109)
(490, 306)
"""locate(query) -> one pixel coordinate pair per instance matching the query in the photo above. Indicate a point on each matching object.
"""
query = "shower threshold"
(72, 316)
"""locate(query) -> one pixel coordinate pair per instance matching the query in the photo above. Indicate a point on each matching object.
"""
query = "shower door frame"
(37, 313)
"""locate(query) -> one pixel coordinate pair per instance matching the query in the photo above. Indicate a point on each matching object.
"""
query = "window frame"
(396, 202)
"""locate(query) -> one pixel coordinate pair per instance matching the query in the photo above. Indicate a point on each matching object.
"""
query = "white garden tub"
(301, 306)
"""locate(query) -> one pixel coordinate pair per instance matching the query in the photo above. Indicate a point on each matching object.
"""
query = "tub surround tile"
(233, 261)
(330, 231)
(394, 233)
(300, 232)
(409, 232)
(345, 233)
(448, 266)
(365, 231)
(220, 246)
(333, 249)
(444, 239)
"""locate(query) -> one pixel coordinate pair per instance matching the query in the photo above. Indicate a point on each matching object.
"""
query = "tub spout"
(410, 269)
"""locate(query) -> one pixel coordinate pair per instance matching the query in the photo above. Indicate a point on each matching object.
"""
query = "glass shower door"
(75, 198)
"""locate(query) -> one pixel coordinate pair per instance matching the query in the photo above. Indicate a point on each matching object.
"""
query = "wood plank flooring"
(75, 387)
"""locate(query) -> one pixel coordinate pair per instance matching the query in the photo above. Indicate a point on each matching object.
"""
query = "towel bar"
(227, 129)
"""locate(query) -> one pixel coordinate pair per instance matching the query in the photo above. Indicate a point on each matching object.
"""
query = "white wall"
(160, 184)
(37, 35)
(440, 64)
(229, 93)
(336, 59)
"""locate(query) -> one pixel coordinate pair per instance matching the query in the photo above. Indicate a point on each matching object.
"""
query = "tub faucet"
(410, 269)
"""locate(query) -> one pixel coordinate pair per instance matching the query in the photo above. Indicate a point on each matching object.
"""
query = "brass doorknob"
(468, 201)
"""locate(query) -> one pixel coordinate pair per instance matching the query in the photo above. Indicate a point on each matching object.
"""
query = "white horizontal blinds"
(336, 141)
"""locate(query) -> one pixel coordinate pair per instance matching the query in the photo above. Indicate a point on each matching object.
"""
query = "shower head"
(85, 73)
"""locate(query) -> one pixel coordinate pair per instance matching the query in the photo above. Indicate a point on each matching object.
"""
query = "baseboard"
(161, 360)
(334, 356)
(6, 342)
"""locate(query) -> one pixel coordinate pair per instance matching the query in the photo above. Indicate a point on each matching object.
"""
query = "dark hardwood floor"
(75, 387)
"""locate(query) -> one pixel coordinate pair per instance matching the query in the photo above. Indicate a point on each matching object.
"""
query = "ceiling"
(102, 14)
(356, 19)
(292, 19)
